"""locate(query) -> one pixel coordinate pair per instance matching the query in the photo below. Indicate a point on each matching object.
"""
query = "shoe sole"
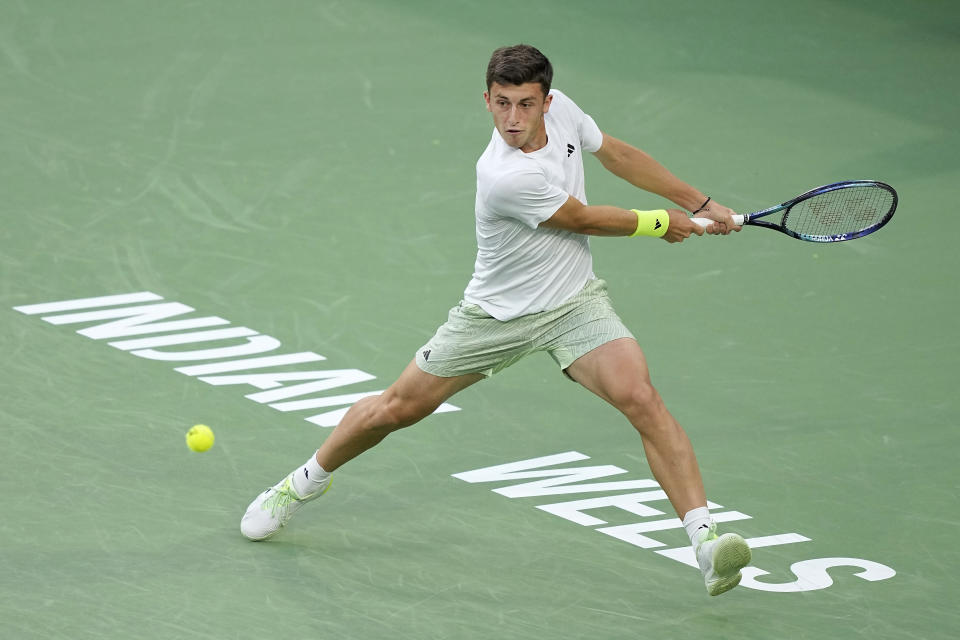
(731, 554)
(266, 537)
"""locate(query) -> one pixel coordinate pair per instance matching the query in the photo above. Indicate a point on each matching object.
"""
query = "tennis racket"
(832, 213)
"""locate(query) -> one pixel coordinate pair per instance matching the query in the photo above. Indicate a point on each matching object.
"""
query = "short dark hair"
(519, 64)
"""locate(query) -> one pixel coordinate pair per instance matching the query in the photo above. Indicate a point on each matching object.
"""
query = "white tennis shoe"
(721, 559)
(273, 508)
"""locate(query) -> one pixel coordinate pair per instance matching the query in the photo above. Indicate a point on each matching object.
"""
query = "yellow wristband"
(651, 223)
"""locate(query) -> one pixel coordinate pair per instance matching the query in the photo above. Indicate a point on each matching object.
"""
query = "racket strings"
(838, 212)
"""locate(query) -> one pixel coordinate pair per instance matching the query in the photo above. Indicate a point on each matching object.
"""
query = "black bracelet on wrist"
(703, 206)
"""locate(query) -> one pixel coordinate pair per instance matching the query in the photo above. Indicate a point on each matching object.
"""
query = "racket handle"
(704, 222)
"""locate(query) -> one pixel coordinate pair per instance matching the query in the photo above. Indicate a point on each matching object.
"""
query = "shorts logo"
(570, 149)
(426, 354)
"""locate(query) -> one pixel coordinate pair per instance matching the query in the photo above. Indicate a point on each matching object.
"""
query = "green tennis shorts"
(472, 341)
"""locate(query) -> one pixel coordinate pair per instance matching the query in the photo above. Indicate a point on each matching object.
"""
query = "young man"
(533, 289)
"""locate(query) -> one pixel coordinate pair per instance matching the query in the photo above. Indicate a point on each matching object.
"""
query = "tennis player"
(533, 289)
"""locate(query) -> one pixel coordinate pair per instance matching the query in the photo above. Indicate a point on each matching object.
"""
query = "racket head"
(836, 212)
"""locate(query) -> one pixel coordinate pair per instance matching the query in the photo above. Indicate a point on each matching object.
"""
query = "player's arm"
(603, 220)
(641, 170)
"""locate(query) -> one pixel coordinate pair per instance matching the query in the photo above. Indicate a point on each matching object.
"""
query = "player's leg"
(415, 395)
(617, 372)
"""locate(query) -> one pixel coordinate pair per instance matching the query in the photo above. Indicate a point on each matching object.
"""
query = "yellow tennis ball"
(200, 437)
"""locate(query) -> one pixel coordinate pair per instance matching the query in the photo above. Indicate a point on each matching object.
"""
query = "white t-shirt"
(520, 268)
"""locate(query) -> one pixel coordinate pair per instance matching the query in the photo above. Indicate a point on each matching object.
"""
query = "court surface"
(305, 171)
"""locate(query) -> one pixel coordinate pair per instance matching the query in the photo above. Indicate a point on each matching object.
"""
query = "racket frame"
(752, 218)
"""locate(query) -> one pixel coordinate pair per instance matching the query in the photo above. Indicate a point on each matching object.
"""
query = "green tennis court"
(297, 179)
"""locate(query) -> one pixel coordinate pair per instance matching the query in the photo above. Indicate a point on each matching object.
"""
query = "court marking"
(139, 320)
(811, 574)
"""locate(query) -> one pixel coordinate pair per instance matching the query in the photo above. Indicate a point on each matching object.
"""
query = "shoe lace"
(711, 534)
(711, 531)
(279, 502)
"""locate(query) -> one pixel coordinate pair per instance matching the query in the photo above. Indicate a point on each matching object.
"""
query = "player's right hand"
(680, 226)
(722, 222)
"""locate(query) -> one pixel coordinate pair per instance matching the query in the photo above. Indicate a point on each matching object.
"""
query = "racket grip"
(704, 222)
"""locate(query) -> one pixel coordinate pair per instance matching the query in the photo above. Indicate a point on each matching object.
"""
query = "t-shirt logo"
(570, 149)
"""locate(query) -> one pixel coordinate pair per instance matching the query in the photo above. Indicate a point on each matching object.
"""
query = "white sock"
(309, 477)
(694, 521)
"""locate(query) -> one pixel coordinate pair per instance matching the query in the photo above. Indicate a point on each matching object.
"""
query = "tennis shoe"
(721, 559)
(273, 508)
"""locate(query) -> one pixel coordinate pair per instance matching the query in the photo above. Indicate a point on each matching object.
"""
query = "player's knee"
(639, 402)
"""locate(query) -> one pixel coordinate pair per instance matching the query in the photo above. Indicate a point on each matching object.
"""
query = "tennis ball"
(200, 437)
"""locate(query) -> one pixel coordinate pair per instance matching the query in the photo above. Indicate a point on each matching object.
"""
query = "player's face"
(518, 114)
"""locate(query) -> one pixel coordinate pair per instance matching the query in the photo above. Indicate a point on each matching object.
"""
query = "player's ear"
(486, 98)
(547, 101)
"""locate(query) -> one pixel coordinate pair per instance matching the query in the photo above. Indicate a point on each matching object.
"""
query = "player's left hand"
(722, 220)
